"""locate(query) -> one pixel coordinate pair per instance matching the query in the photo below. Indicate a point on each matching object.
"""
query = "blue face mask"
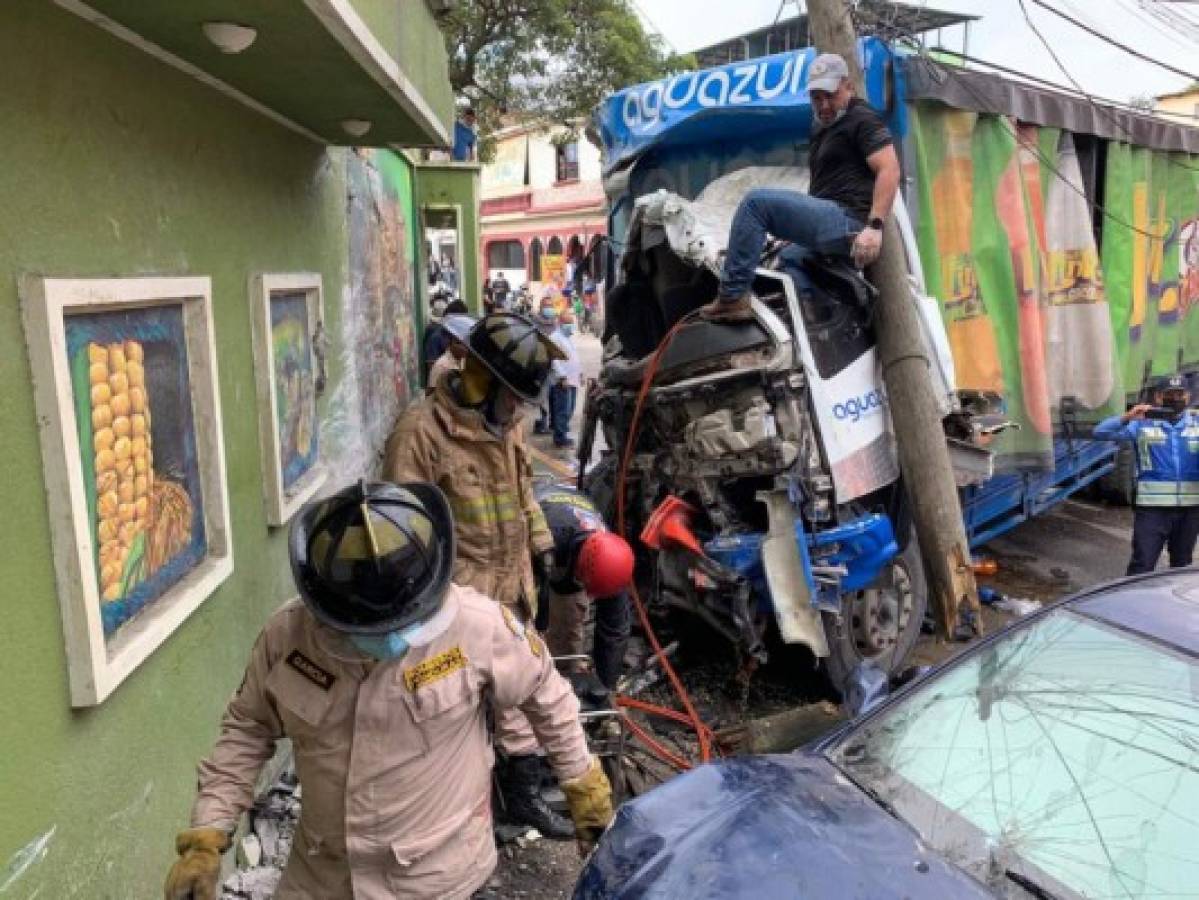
(568, 330)
(382, 647)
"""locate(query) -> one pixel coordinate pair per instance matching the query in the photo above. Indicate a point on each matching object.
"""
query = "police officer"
(379, 678)
(590, 563)
(464, 436)
(1167, 465)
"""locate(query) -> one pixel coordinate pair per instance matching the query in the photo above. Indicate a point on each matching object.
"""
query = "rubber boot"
(520, 786)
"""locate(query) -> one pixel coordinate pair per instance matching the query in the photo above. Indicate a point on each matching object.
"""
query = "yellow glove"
(590, 799)
(198, 868)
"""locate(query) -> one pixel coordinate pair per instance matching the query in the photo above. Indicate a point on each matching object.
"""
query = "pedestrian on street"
(465, 139)
(591, 563)
(465, 436)
(1166, 444)
(854, 179)
(565, 381)
(435, 339)
(457, 327)
(500, 289)
(379, 675)
(547, 323)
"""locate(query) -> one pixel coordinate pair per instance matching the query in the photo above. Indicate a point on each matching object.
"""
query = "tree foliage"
(547, 60)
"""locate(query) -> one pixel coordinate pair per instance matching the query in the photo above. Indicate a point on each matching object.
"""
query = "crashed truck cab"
(763, 477)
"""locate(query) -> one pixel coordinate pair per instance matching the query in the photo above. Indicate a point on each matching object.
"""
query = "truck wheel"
(880, 623)
(1120, 483)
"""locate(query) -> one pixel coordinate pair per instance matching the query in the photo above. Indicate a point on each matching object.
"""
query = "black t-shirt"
(838, 158)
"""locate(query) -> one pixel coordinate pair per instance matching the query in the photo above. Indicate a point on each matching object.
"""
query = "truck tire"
(881, 623)
(1120, 484)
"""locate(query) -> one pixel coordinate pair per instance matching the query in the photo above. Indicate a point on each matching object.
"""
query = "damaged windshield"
(1062, 761)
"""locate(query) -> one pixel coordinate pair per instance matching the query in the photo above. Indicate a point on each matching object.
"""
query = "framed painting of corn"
(289, 375)
(129, 420)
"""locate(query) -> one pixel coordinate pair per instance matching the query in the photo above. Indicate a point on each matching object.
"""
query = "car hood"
(763, 827)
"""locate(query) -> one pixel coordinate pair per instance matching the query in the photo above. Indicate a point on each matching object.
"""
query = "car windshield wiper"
(1029, 885)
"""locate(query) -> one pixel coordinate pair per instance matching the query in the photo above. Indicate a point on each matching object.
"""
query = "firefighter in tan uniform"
(465, 437)
(379, 678)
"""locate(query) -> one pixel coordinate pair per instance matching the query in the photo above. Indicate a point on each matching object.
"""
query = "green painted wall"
(417, 42)
(449, 185)
(121, 165)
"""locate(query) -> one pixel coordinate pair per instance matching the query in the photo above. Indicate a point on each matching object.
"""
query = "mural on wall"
(289, 375)
(295, 386)
(380, 364)
(137, 445)
(133, 460)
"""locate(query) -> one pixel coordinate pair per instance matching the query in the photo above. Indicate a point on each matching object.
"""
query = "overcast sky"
(1001, 35)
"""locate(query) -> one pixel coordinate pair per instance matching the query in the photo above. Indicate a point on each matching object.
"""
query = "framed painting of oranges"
(130, 426)
(288, 370)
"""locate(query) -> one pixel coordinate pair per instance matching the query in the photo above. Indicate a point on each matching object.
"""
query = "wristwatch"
(876, 223)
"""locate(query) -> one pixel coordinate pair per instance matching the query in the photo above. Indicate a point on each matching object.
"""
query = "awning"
(988, 93)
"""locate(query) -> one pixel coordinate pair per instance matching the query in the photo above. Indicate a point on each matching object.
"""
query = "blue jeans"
(819, 226)
(562, 407)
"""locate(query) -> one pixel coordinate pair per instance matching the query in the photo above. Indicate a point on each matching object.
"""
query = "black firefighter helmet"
(515, 351)
(374, 557)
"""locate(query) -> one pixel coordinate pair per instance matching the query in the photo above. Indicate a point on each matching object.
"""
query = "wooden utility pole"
(923, 452)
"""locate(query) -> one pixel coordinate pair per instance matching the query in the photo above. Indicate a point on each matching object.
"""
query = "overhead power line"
(1099, 108)
(1131, 51)
(1064, 89)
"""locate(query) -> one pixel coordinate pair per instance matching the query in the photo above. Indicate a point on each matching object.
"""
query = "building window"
(568, 161)
(505, 255)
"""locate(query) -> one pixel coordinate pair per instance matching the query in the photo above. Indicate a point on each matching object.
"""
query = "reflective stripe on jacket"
(1167, 457)
(489, 483)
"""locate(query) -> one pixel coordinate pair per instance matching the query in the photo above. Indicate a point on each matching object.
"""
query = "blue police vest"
(1167, 457)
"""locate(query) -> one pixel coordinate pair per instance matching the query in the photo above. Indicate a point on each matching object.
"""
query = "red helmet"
(605, 564)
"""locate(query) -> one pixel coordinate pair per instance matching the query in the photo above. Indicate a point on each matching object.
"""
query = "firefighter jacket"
(1167, 457)
(393, 757)
(489, 482)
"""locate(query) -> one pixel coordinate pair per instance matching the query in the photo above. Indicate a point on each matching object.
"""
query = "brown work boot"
(721, 310)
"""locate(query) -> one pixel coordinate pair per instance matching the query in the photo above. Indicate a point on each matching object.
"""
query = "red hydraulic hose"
(702, 731)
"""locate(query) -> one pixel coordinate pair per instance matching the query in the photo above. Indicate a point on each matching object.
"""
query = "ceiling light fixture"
(355, 127)
(229, 37)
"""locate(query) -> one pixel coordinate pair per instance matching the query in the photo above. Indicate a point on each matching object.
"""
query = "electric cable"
(702, 732)
(1132, 51)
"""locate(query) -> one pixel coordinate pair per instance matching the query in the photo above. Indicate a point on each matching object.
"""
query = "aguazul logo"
(644, 106)
(856, 407)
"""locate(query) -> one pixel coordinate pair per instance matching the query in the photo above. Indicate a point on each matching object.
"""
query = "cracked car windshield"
(1064, 759)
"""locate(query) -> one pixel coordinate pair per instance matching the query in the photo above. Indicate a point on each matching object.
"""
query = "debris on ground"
(263, 852)
(781, 732)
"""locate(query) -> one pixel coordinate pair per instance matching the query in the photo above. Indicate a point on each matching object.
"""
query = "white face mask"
(837, 117)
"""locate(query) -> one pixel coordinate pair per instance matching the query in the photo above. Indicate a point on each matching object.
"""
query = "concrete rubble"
(263, 851)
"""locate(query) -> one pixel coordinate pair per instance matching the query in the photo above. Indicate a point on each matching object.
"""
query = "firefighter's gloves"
(590, 800)
(197, 871)
(866, 247)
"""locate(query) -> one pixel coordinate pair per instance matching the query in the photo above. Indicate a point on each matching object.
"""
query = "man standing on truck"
(1166, 441)
(854, 179)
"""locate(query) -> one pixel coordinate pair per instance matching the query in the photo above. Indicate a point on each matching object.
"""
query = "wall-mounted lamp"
(229, 37)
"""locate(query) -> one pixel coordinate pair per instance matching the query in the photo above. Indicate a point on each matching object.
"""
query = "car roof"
(1163, 606)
